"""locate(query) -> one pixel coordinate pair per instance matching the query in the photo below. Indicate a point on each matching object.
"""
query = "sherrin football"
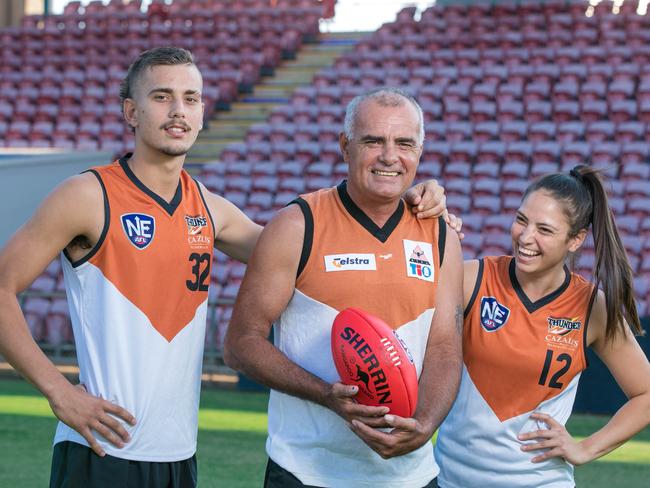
(369, 354)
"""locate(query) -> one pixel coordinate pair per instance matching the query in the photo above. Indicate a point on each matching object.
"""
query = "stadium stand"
(60, 74)
(510, 90)
(499, 109)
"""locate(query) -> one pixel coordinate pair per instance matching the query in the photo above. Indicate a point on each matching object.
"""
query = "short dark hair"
(167, 56)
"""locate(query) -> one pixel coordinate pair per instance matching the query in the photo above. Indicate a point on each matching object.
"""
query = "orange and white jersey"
(519, 357)
(390, 272)
(138, 304)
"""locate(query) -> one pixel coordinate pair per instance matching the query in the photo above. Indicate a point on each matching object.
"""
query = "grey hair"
(388, 96)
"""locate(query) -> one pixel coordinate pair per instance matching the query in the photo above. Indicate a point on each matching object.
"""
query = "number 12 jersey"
(519, 357)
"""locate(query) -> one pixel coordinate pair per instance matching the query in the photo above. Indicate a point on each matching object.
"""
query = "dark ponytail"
(585, 202)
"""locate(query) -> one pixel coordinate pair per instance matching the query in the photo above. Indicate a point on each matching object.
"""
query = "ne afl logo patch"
(139, 228)
(493, 314)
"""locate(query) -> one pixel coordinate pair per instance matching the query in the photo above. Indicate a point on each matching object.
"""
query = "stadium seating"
(509, 90)
(60, 74)
(497, 107)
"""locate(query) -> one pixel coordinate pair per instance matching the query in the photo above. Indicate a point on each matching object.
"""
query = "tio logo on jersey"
(139, 228)
(493, 314)
(419, 260)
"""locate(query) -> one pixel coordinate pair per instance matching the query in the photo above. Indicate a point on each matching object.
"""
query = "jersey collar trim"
(534, 306)
(169, 207)
(380, 233)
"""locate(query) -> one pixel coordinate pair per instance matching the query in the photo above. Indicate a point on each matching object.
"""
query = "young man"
(137, 238)
(296, 282)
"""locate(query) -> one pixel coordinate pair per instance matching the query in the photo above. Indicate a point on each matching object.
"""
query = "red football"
(369, 354)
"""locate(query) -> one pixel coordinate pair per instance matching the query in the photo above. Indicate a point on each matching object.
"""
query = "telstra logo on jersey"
(139, 228)
(493, 314)
(350, 262)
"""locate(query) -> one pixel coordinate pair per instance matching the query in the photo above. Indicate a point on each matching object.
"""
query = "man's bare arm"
(440, 377)
(236, 234)
(69, 211)
(264, 294)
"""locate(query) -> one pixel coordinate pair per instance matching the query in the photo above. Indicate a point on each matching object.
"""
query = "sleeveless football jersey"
(138, 305)
(390, 272)
(519, 357)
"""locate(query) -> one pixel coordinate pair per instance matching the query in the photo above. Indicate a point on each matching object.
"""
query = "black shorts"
(77, 466)
(278, 477)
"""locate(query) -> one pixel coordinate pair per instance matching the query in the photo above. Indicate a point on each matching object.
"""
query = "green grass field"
(232, 431)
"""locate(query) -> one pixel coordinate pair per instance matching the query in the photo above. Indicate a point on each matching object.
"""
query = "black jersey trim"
(207, 209)
(308, 238)
(442, 238)
(590, 308)
(380, 233)
(107, 223)
(169, 207)
(477, 287)
(534, 306)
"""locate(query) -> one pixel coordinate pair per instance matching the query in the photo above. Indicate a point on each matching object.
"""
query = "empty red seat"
(283, 198)
(35, 310)
(458, 131)
(630, 131)
(514, 130)
(426, 169)
(455, 185)
(638, 206)
(486, 205)
(644, 113)
(570, 131)
(635, 171)
(495, 224)
(496, 244)
(260, 200)
(472, 245)
(486, 131)
(486, 187)
(541, 131)
(58, 329)
(623, 111)
(293, 184)
(543, 168)
(546, 151)
(464, 151)
(238, 183)
(566, 92)
(637, 188)
(514, 170)
(566, 112)
(605, 153)
(457, 169)
(509, 111)
(576, 153)
(486, 169)
(459, 204)
(594, 110)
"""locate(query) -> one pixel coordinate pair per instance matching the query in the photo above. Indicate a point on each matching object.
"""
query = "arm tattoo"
(459, 320)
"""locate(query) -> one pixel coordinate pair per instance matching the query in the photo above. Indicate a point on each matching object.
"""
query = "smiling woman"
(528, 322)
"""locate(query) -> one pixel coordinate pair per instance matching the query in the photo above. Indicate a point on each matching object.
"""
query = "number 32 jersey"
(519, 357)
(138, 304)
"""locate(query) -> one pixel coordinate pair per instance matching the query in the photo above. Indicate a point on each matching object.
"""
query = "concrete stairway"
(231, 126)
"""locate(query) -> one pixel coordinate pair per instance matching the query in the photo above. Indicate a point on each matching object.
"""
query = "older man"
(292, 281)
